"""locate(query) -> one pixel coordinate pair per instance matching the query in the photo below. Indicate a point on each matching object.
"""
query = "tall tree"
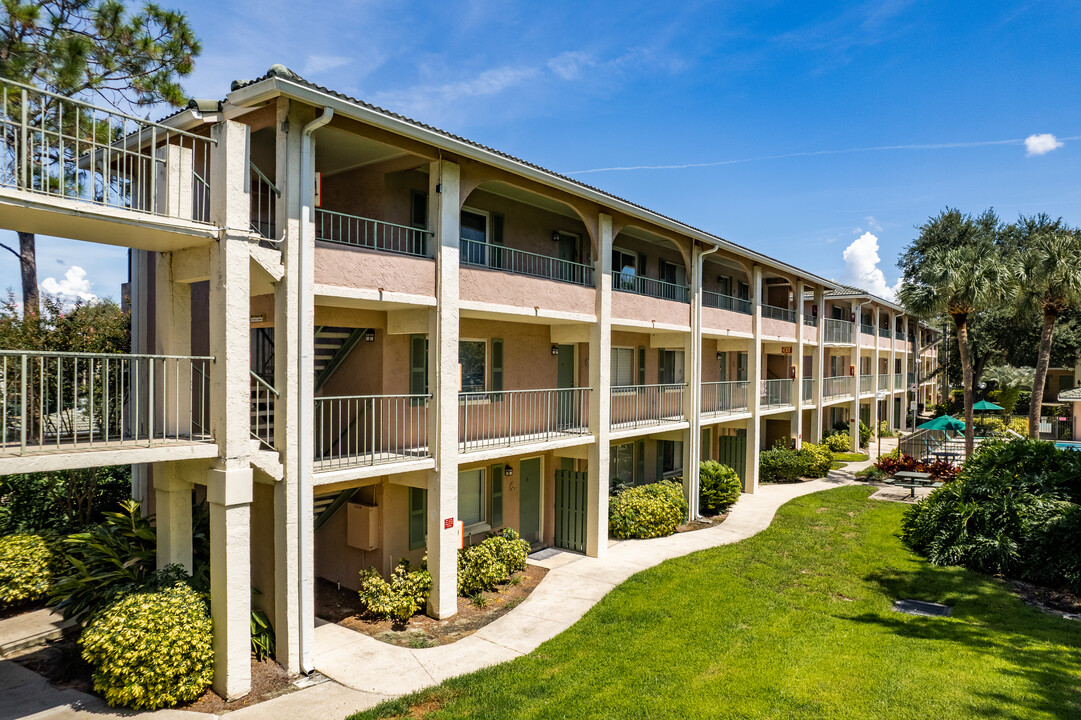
(92, 49)
(956, 267)
(1050, 281)
(1010, 381)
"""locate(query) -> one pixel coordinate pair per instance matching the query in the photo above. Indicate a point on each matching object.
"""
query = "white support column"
(819, 368)
(443, 379)
(754, 396)
(600, 380)
(892, 375)
(904, 376)
(854, 414)
(692, 398)
(876, 370)
(289, 405)
(797, 360)
(141, 342)
(172, 327)
(172, 497)
(229, 487)
(176, 169)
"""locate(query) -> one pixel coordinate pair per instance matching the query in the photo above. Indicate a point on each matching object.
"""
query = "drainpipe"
(305, 393)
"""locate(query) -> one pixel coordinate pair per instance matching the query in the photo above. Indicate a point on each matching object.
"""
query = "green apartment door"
(565, 406)
(529, 487)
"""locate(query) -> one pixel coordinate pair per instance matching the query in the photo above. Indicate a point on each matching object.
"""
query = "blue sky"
(799, 129)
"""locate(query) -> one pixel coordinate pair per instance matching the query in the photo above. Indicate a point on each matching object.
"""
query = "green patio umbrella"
(943, 422)
(984, 406)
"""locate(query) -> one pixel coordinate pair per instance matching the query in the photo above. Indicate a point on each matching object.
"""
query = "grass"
(794, 622)
(837, 465)
(851, 457)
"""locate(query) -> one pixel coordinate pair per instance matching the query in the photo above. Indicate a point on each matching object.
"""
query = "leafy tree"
(1010, 381)
(1050, 274)
(956, 267)
(82, 48)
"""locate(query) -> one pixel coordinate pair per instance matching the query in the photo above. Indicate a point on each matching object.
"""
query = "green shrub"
(870, 473)
(865, 434)
(262, 635)
(510, 548)
(815, 460)
(151, 649)
(25, 568)
(647, 511)
(719, 487)
(402, 597)
(884, 429)
(61, 502)
(779, 464)
(838, 442)
(480, 568)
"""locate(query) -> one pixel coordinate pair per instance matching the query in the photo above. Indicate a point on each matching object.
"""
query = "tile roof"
(1071, 395)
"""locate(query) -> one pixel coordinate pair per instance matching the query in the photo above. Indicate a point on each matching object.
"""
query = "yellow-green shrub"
(25, 573)
(405, 594)
(718, 487)
(993, 424)
(838, 442)
(647, 511)
(511, 549)
(816, 460)
(151, 649)
(480, 568)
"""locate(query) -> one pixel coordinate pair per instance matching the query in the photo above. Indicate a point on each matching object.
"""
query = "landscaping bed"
(343, 606)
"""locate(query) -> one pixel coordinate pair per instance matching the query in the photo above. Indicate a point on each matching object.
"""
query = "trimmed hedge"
(647, 511)
(719, 487)
(779, 464)
(402, 597)
(25, 568)
(151, 649)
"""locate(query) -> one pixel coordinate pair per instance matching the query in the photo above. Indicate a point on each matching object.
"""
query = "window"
(472, 505)
(670, 368)
(724, 365)
(418, 218)
(621, 464)
(471, 364)
(836, 366)
(724, 284)
(622, 366)
(418, 511)
(626, 265)
(670, 457)
(741, 366)
(744, 291)
(474, 232)
(418, 365)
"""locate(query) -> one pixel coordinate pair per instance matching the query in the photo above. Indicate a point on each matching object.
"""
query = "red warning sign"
(448, 523)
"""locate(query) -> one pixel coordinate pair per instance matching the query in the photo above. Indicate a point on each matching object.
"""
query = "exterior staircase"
(332, 347)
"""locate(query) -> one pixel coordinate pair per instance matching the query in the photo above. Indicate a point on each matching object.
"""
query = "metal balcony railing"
(867, 384)
(810, 320)
(778, 313)
(883, 382)
(519, 417)
(884, 332)
(629, 282)
(837, 386)
(898, 334)
(724, 398)
(356, 231)
(61, 401)
(263, 196)
(899, 381)
(836, 331)
(635, 406)
(521, 262)
(776, 393)
(726, 302)
(808, 390)
(62, 147)
(352, 430)
(867, 329)
(263, 399)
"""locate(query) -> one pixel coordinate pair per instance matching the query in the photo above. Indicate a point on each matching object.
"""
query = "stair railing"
(263, 395)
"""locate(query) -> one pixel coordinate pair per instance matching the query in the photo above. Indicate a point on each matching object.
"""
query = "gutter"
(305, 391)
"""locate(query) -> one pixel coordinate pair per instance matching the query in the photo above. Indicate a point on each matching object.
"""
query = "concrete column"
(754, 391)
(229, 491)
(692, 399)
(172, 324)
(854, 417)
(172, 497)
(892, 373)
(229, 482)
(141, 342)
(819, 368)
(797, 360)
(600, 379)
(904, 376)
(875, 370)
(175, 169)
(443, 380)
(289, 406)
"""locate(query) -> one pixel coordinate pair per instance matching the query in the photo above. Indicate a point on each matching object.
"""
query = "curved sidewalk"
(569, 589)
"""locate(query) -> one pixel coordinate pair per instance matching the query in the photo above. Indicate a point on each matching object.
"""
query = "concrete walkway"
(364, 672)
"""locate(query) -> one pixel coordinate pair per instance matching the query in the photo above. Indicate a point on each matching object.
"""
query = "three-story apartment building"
(360, 338)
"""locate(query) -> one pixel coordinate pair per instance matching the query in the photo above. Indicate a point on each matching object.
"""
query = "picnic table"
(911, 479)
(945, 455)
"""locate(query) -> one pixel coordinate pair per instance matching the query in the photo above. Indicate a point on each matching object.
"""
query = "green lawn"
(851, 457)
(792, 623)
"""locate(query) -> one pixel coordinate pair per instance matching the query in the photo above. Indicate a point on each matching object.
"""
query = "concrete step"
(24, 633)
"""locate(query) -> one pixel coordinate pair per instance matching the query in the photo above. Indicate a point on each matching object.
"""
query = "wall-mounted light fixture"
(508, 471)
(555, 349)
(720, 356)
(556, 235)
(369, 335)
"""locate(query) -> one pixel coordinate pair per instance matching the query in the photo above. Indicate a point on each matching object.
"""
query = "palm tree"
(1050, 281)
(1011, 381)
(959, 280)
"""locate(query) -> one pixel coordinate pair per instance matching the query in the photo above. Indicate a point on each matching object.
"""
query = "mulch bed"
(61, 663)
(343, 606)
(1054, 602)
(702, 523)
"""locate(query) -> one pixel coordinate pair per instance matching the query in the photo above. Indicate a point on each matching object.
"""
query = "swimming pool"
(1068, 445)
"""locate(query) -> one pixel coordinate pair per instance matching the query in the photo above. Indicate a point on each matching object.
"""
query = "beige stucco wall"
(369, 269)
(771, 327)
(630, 306)
(504, 288)
(717, 319)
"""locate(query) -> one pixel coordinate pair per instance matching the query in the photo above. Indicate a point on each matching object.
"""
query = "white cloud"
(423, 101)
(1041, 144)
(315, 64)
(73, 287)
(861, 267)
(569, 65)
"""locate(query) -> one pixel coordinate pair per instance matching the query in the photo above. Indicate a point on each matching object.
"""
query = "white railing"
(836, 331)
(898, 381)
(883, 382)
(518, 417)
(776, 393)
(522, 262)
(867, 384)
(724, 398)
(263, 398)
(58, 146)
(635, 406)
(836, 386)
(353, 430)
(808, 390)
(336, 227)
(726, 302)
(632, 283)
(263, 196)
(62, 401)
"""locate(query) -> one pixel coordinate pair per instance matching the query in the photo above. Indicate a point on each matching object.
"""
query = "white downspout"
(305, 393)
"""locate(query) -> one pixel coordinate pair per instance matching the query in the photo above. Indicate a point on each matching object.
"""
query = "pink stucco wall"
(778, 328)
(629, 306)
(355, 268)
(717, 319)
(502, 288)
